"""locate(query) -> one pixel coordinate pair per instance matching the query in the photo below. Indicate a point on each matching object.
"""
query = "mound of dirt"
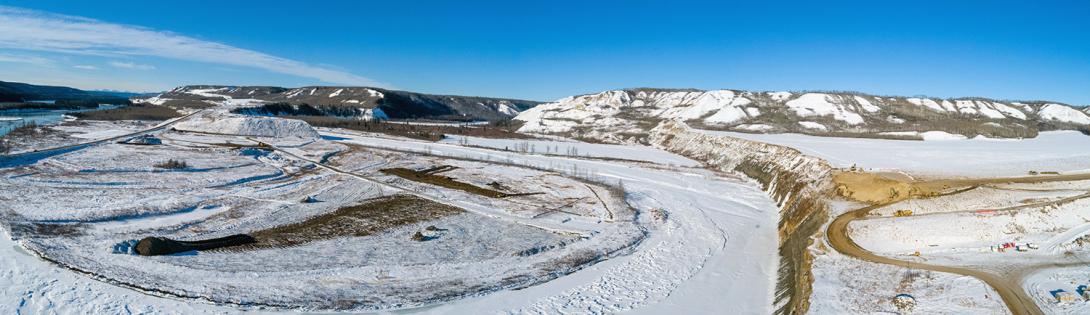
(873, 188)
(254, 126)
(156, 246)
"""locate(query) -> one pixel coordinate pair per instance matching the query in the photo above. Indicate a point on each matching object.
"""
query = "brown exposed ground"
(431, 176)
(875, 188)
(372, 217)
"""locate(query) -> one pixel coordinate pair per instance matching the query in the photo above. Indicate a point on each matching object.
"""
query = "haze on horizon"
(545, 51)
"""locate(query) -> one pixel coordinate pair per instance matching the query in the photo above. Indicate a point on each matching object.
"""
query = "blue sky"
(543, 50)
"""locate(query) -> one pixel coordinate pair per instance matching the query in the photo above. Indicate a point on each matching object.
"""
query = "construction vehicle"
(902, 213)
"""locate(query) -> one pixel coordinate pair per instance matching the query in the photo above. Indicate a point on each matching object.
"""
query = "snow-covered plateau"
(1059, 151)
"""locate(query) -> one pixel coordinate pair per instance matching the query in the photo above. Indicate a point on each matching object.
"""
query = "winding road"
(1009, 288)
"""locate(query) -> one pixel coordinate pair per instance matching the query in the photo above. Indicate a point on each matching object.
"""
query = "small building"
(1062, 296)
(144, 140)
(1083, 291)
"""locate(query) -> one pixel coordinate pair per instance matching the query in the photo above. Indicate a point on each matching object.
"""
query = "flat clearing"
(1061, 151)
(326, 240)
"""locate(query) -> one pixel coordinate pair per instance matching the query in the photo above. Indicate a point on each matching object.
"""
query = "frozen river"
(11, 119)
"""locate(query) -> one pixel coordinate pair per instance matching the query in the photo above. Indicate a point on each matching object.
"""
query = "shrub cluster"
(172, 165)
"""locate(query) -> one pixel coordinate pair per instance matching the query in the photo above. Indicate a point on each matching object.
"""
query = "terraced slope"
(359, 102)
(625, 115)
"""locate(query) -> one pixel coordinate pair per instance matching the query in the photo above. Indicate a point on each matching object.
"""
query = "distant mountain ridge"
(626, 115)
(346, 101)
(21, 92)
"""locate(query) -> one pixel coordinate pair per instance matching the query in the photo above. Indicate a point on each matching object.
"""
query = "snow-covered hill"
(227, 124)
(346, 101)
(626, 115)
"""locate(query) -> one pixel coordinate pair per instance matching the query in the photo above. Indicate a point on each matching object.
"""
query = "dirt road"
(1009, 288)
(837, 235)
(43, 153)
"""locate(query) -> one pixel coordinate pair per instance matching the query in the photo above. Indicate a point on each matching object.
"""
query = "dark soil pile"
(156, 246)
(372, 217)
(431, 176)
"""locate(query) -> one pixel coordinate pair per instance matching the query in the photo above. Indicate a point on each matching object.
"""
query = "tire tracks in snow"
(618, 290)
(679, 250)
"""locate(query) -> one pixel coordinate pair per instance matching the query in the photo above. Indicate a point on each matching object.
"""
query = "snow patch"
(754, 127)
(1063, 113)
(927, 135)
(1009, 111)
(867, 105)
(813, 125)
(926, 103)
(779, 96)
(818, 104)
(506, 109)
(966, 106)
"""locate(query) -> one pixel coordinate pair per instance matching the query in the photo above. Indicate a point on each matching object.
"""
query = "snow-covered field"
(1069, 279)
(698, 224)
(973, 233)
(843, 285)
(1062, 151)
(713, 220)
(106, 195)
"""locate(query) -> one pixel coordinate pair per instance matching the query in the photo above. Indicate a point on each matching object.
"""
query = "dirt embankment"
(881, 188)
(797, 182)
(876, 188)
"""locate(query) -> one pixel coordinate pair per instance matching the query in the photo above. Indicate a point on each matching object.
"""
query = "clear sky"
(544, 50)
